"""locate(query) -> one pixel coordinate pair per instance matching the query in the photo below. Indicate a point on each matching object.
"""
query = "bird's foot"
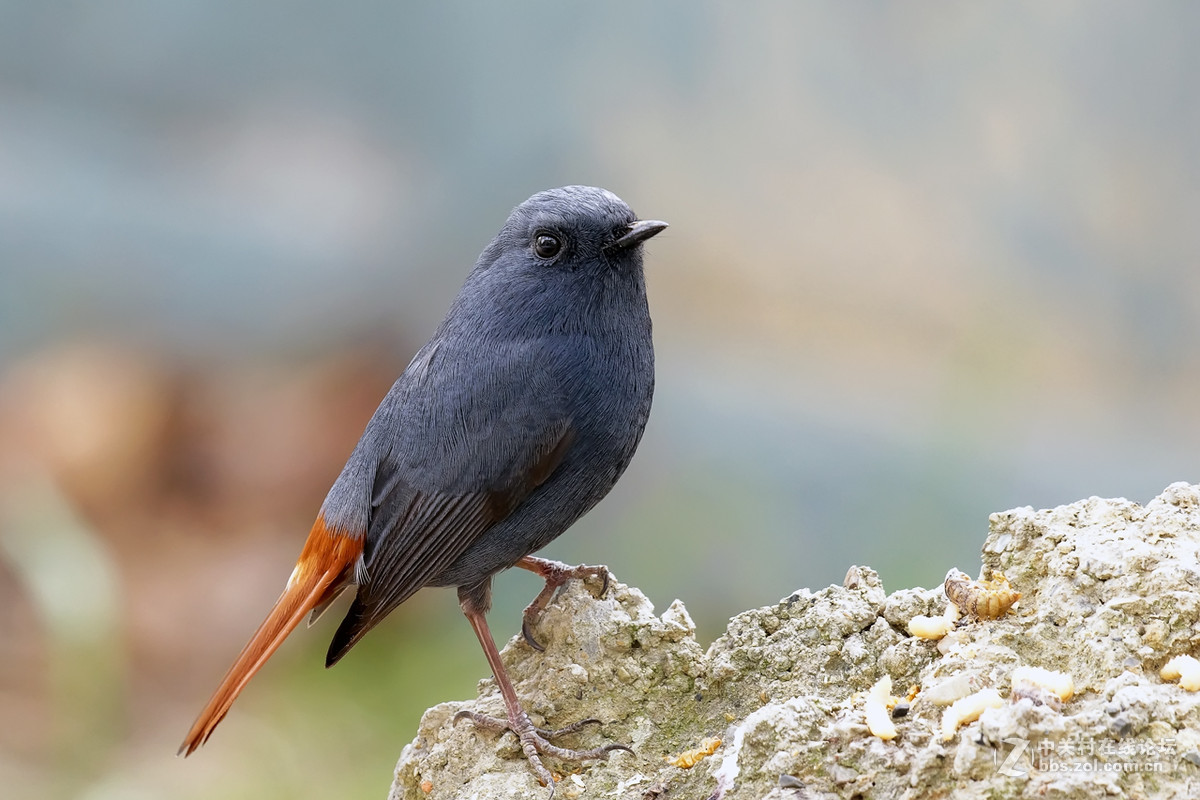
(555, 573)
(535, 741)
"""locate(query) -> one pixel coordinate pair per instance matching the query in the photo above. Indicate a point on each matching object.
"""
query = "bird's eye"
(546, 245)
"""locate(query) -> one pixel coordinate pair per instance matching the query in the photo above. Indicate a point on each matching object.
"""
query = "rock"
(1110, 591)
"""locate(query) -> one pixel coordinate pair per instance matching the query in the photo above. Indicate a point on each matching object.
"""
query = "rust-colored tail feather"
(324, 565)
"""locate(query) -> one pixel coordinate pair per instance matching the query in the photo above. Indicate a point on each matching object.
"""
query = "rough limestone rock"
(1110, 591)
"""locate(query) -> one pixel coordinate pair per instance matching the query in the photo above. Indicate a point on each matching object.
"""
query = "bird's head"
(573, 229)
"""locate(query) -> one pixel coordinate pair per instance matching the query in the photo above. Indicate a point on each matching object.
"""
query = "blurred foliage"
(926, 262)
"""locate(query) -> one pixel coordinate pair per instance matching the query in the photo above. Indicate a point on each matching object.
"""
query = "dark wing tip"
(351, 629)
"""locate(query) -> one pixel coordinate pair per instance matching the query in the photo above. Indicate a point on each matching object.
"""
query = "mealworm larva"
(1186, 669)
(879, 721)
(690, 758)
(967, 710)
(1057, 683)
(934, 627)
(948, 691)
(980, 599)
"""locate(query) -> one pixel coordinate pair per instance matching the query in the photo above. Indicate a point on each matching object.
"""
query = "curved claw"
(527, 633)
(555, 574)
(604, 586)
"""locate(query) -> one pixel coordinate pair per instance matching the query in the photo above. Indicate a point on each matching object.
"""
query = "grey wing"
(462, 455)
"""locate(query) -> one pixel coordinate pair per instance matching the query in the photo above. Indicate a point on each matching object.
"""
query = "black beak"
(637, 233)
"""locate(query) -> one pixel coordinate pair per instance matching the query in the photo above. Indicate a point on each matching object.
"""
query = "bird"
(518, 415)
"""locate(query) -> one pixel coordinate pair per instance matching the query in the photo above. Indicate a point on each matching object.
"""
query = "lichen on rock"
(1110, 592)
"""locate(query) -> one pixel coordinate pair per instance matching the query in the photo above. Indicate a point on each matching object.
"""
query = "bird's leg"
(534, 741)
(555, 573)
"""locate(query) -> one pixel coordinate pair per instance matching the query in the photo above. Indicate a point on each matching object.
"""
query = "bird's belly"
(580, 482)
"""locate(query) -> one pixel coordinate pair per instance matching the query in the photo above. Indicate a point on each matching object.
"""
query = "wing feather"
(419, 534)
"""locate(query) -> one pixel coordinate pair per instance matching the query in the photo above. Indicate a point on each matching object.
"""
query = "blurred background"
(925, 262)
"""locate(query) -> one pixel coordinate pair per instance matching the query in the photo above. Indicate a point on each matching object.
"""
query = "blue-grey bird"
(514, 420)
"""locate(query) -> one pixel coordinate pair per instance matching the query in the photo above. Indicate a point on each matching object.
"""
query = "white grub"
(1059, 684)
(879, 720)
(1186, 669)
(945, 692)
(933, 628)
(967, 710)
